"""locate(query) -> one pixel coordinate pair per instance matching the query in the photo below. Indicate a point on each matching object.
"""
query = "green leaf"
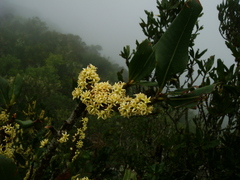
(120, 76)
(191, 99)
(201, 90)
(211, 144)
(25, 124)
(200, 65)
(4, 88)
(181, 91)
(221, 69)
(177, 102)
(209, 63)
(15, 89)
(147, 83)
(129, 175)
(171, 51)
(202, 53)
(142, 63)
(8, 169)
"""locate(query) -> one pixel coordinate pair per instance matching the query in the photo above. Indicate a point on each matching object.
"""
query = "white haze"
(114, 24)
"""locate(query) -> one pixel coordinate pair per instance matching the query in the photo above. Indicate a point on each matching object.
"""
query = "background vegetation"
(48, 61)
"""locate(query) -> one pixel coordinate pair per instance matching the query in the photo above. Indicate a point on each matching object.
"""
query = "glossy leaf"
(142, 63)
(147, 83)
(171, 51)
(25, 124)
(190, 99)
(209, 63)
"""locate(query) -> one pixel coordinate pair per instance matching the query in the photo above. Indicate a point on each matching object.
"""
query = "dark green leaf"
(171, 51)
(8, 169)
(209, 63)
(220, 69)
(200, 65)
(25, 124)
(191, 99)
(120, 76)
(202, 53)
(211, 144)
(142, 63)
(201, 90)
(147, 83)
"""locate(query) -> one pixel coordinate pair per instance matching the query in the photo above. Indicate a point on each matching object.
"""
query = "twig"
(51, 150)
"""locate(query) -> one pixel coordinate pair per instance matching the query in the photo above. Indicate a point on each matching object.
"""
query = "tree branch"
(51, 150)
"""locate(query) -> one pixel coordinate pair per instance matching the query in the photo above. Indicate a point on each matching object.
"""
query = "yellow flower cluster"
(135, 106)
(8, 148)
(79, 136)
(64, 137)
(102, 98)
(43, 143)
(3, 117)
(84, 178)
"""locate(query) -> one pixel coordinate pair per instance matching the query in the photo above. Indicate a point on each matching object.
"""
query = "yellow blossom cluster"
(3, 117)
(135, 106)
(79, 136)
(64, 137)
(102, 98)
(8, 148)
(85, 178)
(43, 143)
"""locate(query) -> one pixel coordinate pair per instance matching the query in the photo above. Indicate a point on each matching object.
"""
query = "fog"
(114, 24)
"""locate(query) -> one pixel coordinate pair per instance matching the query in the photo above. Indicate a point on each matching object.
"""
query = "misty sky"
(114, 24)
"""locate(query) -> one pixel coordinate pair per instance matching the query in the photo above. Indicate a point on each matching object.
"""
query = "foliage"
(48, 62)
(229, 12)
(188, 131)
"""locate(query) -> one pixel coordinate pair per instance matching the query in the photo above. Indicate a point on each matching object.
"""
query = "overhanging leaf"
(191, 99)
(201, 90)
(171, 51)
(142, 63)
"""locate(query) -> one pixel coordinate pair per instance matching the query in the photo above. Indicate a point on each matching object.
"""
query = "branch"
(51, 150)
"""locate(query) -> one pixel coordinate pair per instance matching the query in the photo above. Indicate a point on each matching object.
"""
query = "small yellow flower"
(41, 116)
(43, 143)
(76, 155)
(4, 116)
(80, 135)
(85, 178)
(79, 144)
(8, 129)
(64, 137)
